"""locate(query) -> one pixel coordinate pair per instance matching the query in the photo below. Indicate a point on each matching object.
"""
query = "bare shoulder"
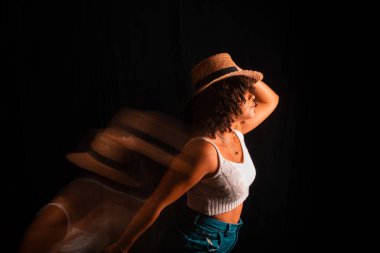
(198, 159)
(200, 155)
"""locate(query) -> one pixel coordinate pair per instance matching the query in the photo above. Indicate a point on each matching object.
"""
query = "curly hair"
(212, 109)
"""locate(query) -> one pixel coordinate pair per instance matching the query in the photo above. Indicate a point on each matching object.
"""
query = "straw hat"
(215, 68)
(108, 158)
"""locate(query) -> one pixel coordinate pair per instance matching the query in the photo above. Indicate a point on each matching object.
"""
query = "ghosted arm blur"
(45, 232)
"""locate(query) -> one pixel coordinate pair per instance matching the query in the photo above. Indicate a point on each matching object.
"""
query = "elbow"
(275, 100)
(155, 205)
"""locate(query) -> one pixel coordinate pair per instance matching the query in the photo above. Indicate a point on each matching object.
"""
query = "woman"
(214, 168)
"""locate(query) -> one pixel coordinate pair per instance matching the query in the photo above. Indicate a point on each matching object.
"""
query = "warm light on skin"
(247, 108)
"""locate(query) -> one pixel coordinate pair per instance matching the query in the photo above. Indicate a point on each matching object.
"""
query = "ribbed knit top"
(227, 188)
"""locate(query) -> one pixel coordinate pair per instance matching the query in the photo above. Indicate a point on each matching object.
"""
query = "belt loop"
(227, 229)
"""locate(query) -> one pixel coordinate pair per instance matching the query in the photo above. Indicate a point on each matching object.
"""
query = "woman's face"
(247, 108)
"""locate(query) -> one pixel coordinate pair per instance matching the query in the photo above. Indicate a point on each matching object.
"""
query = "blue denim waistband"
(212, 223)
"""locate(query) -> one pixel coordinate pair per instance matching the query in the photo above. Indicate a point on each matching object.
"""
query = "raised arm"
(188, 168)
(266, 101)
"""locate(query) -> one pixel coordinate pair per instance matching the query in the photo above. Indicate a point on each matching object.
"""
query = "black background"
(69, 66)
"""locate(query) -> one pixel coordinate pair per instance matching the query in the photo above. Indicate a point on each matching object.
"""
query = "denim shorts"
(201, 233)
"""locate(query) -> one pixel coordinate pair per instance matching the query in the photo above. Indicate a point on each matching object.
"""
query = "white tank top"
(227, 188)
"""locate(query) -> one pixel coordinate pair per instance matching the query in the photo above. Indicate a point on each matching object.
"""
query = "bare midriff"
(232, 216)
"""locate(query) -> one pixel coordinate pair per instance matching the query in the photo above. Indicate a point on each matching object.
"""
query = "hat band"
(214, 76)
(105, 160)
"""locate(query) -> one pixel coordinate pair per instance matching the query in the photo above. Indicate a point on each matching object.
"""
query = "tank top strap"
(238, 134)
(63, 209)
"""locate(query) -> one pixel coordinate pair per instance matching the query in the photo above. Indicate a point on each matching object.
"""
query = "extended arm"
(194, 162)
(45, 232)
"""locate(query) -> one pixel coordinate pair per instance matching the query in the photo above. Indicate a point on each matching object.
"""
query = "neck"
(227, 136)
(228, 141)
(235, 124)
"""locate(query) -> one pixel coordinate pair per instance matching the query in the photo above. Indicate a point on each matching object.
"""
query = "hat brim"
(86, 161)
(258, 76)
